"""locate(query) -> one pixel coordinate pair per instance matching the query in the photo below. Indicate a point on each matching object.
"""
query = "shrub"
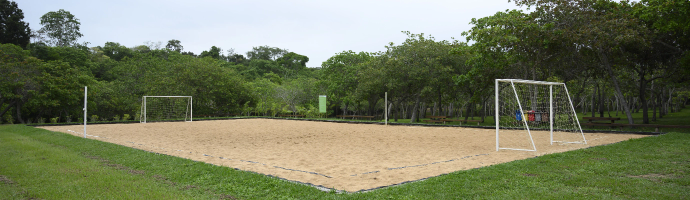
(125, 117)
(94, 118)
(54, 120)
(116, 118)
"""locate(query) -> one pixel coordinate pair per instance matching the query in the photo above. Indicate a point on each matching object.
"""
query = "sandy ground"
(350, 157)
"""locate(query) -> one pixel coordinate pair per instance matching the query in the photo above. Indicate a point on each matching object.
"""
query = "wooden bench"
(356, 116)
(595, 119)
(655, 126)
(213, 116)
(462, 120)
(435, 119)
(302, 116)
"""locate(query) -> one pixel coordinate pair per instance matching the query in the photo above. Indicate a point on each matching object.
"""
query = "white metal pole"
(575, 113)
(524, 119)
(385, 106)
(191, 108)
(551, 111)
(85, 95)
(496, 113)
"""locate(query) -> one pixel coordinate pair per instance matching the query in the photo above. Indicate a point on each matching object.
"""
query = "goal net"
(525, 108)
(166, 108)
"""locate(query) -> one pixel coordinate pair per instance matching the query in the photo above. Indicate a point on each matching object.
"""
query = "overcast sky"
(316, 29)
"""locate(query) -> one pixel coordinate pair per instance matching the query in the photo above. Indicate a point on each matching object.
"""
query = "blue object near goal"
(518, 115)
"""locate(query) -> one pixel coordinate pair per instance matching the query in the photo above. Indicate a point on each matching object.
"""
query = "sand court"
(342, 156)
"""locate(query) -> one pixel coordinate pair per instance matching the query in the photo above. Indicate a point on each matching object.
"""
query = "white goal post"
(166, 108)
(526, 105)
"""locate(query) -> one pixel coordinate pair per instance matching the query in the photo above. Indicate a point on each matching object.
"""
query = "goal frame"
(551, 115)
(143, 107)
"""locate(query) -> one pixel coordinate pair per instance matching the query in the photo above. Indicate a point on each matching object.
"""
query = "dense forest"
(615, 57)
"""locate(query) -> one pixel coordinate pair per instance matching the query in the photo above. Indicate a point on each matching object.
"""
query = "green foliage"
(54, 120)
(266, 53)
(214, 53)
(94, 118)
(125, 117)
(174, 45)
(13, 29)
(61, 27)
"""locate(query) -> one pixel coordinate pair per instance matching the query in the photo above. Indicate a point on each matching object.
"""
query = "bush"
(41, 120)
(8, 118)
(94, 118)
(125, 117)
(54, 120)
(68, 119)
(116, 118)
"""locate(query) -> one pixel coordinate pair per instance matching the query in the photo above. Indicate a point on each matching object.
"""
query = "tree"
(214, 52)
(174, 45)
(61, 27)
(341, 74)
(13, 29)
(116, 51)
(292, 63)
(600, 28)
(266, 53)
(17, 78)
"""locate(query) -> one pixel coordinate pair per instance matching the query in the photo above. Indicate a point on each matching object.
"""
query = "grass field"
(47, 165)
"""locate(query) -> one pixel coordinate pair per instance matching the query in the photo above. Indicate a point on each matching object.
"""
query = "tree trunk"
(601, 101)
(7, 108)
(643, 99)
(390, 108)
(18, 105)
(468, 111)
(605, 61)
(434, 112)
(414, 118)
(594, 93)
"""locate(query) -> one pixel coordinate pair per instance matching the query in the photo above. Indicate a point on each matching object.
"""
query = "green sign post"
(322, 103)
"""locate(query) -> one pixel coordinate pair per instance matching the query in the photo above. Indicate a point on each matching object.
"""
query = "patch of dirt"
(651, 176)
(187, 187)
(226, 196)
(5, 180)
(164, 180)
(108, 163)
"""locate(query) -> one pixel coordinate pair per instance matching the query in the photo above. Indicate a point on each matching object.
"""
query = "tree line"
(622, 56)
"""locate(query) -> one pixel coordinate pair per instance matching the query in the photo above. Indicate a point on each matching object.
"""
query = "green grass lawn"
(40, 164)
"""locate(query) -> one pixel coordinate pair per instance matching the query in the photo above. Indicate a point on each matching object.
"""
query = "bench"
(595, 119)
(436, 119)
(302, 116)
(462, 120)
(214, 116)
(356, 116)
(655, 126)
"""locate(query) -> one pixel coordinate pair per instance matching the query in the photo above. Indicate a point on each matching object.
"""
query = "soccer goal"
(166, 108)
(524, 106)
